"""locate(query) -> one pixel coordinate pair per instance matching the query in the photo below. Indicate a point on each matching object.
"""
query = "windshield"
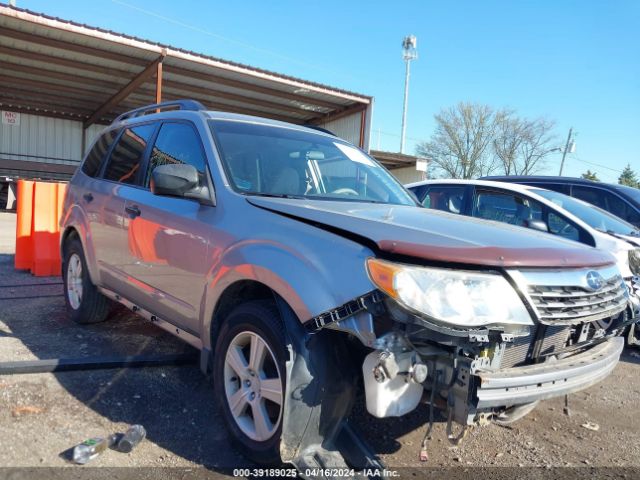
(283, 162)
(590, 214)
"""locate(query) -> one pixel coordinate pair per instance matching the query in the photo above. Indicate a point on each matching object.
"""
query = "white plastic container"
(391, 397)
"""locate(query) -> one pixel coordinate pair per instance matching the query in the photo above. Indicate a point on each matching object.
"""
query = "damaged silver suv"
(304, 272)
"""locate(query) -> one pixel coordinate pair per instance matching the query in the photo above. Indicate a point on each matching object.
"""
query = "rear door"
(92, 194)
(167, 246)
(119, 181)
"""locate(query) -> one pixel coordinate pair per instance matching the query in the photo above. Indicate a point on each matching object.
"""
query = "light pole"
(570, 146)
(409, 52)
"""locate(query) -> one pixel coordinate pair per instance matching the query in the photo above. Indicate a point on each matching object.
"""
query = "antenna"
(409, 52)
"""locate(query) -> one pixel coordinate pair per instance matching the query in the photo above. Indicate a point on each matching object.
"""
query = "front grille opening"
(576, 304)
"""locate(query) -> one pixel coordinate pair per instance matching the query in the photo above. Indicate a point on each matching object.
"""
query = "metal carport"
(66, 80)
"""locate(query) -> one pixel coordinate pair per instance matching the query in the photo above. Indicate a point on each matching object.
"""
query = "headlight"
(634, 261)
(463, 299)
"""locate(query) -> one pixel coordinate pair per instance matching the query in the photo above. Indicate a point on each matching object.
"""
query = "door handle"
(88, 197)
(132, 210)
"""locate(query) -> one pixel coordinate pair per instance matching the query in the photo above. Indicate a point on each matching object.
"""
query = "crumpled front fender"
(320, 392)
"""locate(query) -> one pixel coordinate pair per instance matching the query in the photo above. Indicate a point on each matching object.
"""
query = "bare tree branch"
(459, 146)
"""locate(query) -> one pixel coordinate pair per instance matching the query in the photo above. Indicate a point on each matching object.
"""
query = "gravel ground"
(43, 415)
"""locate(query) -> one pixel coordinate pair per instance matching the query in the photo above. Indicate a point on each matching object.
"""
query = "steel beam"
(138, 80)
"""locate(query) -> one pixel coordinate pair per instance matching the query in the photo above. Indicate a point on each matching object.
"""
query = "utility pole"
(409, 52)
(566, 149)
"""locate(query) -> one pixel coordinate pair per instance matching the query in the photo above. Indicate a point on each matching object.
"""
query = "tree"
(520, 145)
(589, 175)
(509, 136)
(537, 137)
(629, 178)
(459, 146)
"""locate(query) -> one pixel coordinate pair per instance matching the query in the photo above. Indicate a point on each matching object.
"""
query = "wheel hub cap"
(74, 281)
(253, 386)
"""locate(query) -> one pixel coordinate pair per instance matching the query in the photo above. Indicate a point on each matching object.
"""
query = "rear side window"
(93, 162)
(177, 143)
(126, 156)
(447, 199)
(591, 195)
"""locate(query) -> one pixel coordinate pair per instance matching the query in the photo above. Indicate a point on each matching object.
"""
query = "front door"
(167, 246)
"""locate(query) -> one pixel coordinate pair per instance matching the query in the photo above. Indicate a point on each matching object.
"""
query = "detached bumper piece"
(520, 385)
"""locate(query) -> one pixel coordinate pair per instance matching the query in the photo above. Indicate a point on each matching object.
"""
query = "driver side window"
(177, 143)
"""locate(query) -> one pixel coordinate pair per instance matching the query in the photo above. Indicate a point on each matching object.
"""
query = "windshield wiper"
(277, 195)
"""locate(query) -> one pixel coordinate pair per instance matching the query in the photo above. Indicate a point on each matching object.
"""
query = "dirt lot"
(175, 403)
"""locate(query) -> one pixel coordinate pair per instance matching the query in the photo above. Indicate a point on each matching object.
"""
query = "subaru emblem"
(595, 280)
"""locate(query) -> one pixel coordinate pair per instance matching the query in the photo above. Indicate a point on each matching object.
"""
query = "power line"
(595, 164)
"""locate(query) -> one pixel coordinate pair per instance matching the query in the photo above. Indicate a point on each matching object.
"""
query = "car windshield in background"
(283, 162)
(590, 214)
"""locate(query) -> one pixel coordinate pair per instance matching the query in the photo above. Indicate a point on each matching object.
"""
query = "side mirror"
(178, 180)
(537, 225)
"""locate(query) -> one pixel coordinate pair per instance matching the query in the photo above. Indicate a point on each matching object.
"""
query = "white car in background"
(542, 210)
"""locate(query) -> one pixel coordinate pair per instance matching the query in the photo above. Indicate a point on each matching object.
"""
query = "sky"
(574, 62)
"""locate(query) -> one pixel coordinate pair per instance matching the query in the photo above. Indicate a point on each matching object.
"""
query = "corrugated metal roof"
(393, 159)
(64, 68)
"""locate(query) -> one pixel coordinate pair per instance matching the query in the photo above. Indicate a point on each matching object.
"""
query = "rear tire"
(249, 379)
(85, 304)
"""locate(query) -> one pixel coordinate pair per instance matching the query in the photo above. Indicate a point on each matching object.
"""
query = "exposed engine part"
(387, 367)
(419, 373)
(390, 384)
(424, 455)
(393, 341)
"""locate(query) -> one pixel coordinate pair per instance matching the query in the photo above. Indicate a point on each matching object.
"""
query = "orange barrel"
(24, 217)
(45, 232)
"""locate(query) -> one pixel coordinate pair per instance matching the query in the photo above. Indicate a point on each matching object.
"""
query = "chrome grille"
(573, 304)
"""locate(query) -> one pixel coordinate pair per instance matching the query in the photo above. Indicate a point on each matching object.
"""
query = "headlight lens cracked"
(463, 299)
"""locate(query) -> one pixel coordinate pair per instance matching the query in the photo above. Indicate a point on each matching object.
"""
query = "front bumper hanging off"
(520, 385)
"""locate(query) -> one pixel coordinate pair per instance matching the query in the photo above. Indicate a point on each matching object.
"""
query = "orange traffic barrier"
(24, 215)
(37, 230)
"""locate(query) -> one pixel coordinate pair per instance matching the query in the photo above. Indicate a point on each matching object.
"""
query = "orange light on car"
(382, 274)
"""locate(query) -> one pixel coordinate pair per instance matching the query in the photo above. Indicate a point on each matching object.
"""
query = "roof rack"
(320, 129)
(191, 105)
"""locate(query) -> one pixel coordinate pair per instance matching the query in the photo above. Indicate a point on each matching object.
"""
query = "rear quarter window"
(94, 159)
(127, 155)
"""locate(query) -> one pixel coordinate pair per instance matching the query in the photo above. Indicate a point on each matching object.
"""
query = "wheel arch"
(74, 224)
(236, 293)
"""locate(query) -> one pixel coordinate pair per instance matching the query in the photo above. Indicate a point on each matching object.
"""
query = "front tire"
(249, 379)
(85, 304)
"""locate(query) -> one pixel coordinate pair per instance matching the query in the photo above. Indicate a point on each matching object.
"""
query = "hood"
(439, 236)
